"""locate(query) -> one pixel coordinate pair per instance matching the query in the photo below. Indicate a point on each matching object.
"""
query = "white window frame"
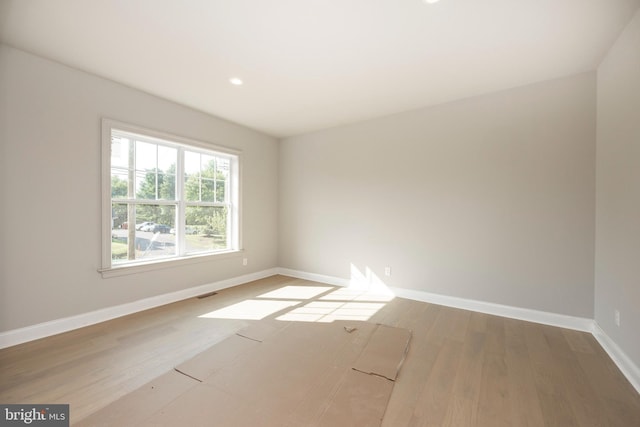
(234, 233)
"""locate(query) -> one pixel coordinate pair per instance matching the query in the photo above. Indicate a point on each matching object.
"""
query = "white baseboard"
(619, 357)
(553, 319)
(41, 330)
(546, 318)
(329, 280)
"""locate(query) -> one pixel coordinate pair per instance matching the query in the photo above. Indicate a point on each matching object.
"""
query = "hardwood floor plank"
(580, 342)
(587, 406)
(525, 404)
(463, 407)
(494, 403)
(552, 394)
(436, 394)
(620, 405)
(478, 321)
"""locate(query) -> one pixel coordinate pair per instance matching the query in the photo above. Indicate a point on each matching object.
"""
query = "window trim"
(110, 270)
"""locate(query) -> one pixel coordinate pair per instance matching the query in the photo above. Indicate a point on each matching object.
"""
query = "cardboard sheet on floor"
(361, 401)
(301, 374)
(226, 353)
(134, 408)
(262, 330)
(385, 352)
(229, 351)
(205, 406)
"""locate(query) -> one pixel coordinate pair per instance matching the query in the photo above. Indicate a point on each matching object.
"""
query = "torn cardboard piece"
(226, 352)
(223, 354)
(385, 352)
(262, 330)
(360, 401)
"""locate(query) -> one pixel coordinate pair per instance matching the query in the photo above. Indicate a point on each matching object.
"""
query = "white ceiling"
(313, 64)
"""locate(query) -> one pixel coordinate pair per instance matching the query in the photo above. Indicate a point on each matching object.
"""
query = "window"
(166, 197)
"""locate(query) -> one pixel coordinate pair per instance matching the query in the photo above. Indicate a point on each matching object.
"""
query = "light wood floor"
(463, 368)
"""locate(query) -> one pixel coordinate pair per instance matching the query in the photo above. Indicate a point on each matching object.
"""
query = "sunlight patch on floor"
(350, 294)
(328, 311)
(363, 298)
(250, 309)
(296, 292)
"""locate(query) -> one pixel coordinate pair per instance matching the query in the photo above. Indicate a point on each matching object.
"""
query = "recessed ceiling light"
(431, 1)
(235, 81)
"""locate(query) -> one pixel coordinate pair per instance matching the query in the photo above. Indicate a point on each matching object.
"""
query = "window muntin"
(155, 214)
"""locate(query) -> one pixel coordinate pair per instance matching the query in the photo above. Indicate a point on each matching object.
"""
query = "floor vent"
(210, 294)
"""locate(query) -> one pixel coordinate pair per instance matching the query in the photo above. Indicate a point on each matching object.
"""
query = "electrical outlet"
(245, 261)
(387, 271)
(616, 317)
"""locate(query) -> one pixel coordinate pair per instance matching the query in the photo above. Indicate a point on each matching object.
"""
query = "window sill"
(124, 270)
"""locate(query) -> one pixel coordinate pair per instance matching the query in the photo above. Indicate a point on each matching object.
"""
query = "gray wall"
(490, 198)
(618, 192)
(50, 191)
